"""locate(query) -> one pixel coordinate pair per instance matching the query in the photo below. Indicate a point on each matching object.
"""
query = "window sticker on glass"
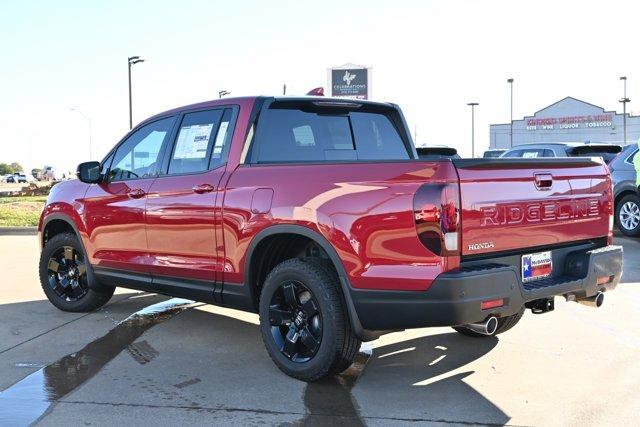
(193, 142)
(219, 145)
(304, 136)
(530, 154)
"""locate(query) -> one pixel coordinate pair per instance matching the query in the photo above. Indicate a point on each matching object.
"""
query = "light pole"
(624, 101)
(89, 123)
(510, 81)
(473, 139)
(223, 93)
(132, 60)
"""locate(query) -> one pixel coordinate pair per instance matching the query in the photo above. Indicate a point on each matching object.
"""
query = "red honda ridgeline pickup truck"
(317, 214)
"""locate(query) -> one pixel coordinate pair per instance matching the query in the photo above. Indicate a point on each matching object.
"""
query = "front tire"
(504, 324)
(304, 325)
(64, 276)
(628, 215)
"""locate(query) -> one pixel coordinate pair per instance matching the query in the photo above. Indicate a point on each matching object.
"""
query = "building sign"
(570, 122)
(350, 81)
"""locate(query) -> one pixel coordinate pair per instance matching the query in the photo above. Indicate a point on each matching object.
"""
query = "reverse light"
(437, 217)
(603, 280)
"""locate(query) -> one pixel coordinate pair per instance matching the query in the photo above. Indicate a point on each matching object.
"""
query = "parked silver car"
(625, 191)
(565, 149)
(623, 175)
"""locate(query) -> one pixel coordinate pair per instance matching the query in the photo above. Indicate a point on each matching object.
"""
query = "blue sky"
(431, 57)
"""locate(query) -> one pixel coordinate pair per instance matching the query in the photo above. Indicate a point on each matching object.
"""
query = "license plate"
(536, 266)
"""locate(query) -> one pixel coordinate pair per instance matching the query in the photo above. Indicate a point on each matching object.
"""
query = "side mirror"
(89, 172)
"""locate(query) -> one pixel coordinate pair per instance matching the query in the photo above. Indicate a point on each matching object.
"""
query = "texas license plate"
(536, 266)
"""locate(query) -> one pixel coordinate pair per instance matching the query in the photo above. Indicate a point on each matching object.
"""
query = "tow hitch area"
(540, 306)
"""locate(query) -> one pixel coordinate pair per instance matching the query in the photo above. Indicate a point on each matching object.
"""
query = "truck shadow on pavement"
(408, 381)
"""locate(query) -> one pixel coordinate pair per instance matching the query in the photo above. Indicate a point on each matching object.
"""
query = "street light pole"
(473, 142)
(130, 61)
(624, 101)
(510, 81)
(89, 123)
(223, 93)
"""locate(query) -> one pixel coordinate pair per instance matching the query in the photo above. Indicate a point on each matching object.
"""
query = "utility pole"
(473, 139)
(624, 101)
(130, 61)
(284, 89)
(510, 81)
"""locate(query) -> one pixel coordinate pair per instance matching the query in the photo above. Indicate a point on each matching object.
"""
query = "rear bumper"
(454, 298)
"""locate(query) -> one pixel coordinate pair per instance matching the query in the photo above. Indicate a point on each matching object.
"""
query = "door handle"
(203, 188)
(136, 193)
(544, 181)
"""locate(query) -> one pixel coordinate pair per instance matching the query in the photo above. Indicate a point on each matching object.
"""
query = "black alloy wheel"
(296, 321)
(303, 321)
(67, 273)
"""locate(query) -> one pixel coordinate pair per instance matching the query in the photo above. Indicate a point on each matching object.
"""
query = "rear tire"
(64, 276)
(303, 322)
(504, 324)
(628, 215)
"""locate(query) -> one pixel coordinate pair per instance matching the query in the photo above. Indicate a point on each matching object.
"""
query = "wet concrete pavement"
(204, 364)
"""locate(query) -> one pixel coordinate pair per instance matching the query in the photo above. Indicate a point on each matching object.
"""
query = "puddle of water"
(25, 401)
(331, 397)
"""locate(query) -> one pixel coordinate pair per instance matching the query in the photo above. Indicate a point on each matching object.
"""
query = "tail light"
(436, 210)
(609, 209)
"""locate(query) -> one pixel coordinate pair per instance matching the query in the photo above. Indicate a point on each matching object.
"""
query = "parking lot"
(202, 364)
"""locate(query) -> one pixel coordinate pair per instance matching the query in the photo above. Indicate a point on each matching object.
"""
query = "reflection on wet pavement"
(27, 400)
(331, 397)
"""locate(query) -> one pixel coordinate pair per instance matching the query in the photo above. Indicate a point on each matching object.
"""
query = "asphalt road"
(200, 364)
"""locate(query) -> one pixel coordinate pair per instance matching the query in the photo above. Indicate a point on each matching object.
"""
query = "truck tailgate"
(514, 204)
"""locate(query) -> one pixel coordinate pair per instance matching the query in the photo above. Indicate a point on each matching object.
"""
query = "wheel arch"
(325, 245)
(63, 223)
(626, 191)
(58, 223)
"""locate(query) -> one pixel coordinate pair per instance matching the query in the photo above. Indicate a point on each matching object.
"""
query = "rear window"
(607, 157)
(607, 153)
(530, 153)
(492, 154)
(294, 135)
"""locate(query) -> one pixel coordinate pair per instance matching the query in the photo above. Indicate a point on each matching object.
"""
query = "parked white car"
(49, 173)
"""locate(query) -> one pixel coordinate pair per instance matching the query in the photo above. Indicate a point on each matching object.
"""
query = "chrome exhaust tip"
(595, 301)
(488, 327)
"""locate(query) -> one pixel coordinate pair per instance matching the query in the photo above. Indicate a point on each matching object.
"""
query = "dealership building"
(568, 120)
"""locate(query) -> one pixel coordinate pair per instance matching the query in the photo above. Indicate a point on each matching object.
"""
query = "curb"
(18, 231)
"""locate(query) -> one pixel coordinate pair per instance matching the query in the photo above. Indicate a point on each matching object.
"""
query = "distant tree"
(5, 169)
(17, 167)
(35, 172)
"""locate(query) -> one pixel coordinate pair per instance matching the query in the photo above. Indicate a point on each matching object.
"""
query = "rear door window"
(195, 141)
